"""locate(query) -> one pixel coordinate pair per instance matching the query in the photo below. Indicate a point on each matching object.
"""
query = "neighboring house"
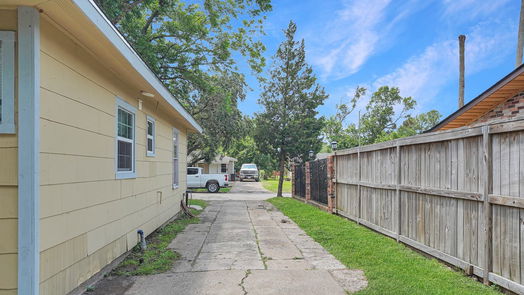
(503, 100)
(86, 158)
(221, 164)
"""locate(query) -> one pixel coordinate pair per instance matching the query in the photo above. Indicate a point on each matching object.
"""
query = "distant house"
(92, 146)
(221, 164)
(503, 100)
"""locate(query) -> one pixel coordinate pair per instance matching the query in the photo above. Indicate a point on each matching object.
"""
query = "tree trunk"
(281, 176)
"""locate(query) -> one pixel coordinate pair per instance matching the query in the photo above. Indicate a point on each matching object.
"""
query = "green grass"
(390, 267)
(272, 185)
(157, 258)
(204, 190)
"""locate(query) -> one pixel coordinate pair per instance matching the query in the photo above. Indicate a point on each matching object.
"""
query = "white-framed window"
(223, 168)
(125, 140)
(7, 82)
(176, 147)
(150, 136)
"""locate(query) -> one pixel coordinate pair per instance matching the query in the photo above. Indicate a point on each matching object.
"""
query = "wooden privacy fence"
(457, 195)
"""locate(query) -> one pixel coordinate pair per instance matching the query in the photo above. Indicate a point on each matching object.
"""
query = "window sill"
(150, 154)
(7, 128)
(125, 175)
(175, 186)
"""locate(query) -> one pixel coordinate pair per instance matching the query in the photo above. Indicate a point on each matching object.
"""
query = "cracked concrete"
(249, 247)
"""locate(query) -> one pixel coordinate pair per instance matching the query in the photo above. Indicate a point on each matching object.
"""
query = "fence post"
(358, 186)
(330, 186)
(486, 187)
(308, 182)
(397, 192)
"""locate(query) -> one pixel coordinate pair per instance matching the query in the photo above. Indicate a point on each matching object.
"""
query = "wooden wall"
(457, 195)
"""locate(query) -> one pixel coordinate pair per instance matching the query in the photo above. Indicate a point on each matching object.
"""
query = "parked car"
(212, 182)
(249, 171)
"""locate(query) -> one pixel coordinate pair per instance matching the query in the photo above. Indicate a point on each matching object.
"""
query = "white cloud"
(468, 9)
(350, 39)
(424, 75)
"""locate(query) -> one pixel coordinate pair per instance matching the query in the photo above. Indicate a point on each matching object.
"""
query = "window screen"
(7, 84)
(150, 138)
(125, 140)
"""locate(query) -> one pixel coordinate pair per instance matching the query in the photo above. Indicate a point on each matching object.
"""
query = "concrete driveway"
(249, 247)
(246, 190)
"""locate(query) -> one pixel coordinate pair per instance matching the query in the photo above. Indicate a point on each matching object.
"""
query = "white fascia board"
(93, 12)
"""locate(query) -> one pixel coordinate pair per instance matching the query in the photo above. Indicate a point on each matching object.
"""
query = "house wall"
(216, 168)
(204, 166)
(8, 191)
(512, 107)
(88, 217)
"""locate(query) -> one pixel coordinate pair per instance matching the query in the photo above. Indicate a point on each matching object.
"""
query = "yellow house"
(92, 146)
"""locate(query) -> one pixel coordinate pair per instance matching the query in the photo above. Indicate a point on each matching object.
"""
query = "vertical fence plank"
(521, 211)
(486, 179)
(359, 189)
(397, 193)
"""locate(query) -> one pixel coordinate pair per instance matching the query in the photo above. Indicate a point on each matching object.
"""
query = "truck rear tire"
(212, 187)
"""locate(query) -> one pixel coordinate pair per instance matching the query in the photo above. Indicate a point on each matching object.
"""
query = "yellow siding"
(8, 192)
(89, 218)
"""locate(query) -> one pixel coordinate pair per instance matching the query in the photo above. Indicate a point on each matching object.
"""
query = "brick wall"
(512, 107)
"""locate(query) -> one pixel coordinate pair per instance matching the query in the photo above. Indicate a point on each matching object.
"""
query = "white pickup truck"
(212, 182)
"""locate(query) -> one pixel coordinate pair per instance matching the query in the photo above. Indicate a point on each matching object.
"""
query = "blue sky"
(409, 44)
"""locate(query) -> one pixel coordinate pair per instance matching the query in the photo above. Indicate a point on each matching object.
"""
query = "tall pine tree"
(289, 126)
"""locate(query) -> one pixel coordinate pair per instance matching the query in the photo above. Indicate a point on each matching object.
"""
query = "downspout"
(28, 151)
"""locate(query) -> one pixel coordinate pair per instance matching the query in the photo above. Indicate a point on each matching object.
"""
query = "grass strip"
(390, 267)
(272, 185)
(157, 258)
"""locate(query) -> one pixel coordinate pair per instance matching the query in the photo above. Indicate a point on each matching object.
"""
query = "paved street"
(249, 247)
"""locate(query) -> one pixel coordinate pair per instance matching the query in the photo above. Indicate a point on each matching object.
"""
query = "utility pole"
(462, 41)
(520, 41)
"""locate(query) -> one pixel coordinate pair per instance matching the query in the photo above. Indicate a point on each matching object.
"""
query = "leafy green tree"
(413, 125)
(246, 150)
(384, 112)
(381, 117)
(289, 127)
(193, 49)
(334, 129)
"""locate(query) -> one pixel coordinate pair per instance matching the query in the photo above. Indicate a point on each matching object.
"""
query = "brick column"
(331, 184)
(292, 180)
(308, 182)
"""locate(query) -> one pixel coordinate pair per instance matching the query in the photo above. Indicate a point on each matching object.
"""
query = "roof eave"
(512, 75)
